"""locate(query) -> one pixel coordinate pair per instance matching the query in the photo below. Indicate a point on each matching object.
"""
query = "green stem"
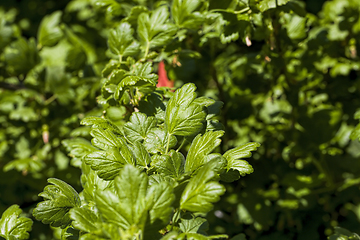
(50, 99)
(229, 11)
(168, 143)
(147, 50)
(181, 145)
(323, 170)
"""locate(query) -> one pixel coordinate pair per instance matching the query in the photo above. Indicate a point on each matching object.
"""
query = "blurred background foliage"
(287, 72)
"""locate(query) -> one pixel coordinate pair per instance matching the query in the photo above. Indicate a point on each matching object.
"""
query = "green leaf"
(84, 219)
(134, 14)
(130, 186)
(182, 12)
(100, 122)
(59, 199)
(91, 183)
(121, 41)
(170, 165)
(200, 147)
(157, 140)
(269, 4)
(78, 148)
(138, 127)
(141, 155)
(244, 151)
(343, 234)
(159, 198)
(193, 225)
(154, 31)
(143, 70)
(201, 191)
(183, 117)
(12, 226)
(107, 164)
(105, 139)
(296, 26)
(147, 85)
(49, 32)
(21, 56)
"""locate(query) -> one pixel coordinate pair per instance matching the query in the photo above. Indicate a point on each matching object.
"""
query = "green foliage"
(341, 233)
(284, 74)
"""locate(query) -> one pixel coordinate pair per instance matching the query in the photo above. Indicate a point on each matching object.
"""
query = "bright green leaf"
(170, 165)
(200, 147)
(121, 41)
(12, 226)
(138, 127)
(183, 117)
(244, 151)
(201, 191)
(108, 163)
(59, 199)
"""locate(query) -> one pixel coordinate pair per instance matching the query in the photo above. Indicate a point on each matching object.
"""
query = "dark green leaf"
(21, 56)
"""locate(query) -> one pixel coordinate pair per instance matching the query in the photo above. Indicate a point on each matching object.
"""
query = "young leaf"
(138, 127)
(183, 117)
(143, 70)
(147, 85)
(59, 199)
(202, 191)
(12, 226)
(107, 164)
(200, 147)
(121, 41)
(244, 151)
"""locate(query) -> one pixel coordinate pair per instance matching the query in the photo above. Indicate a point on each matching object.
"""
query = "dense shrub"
(286, 75)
